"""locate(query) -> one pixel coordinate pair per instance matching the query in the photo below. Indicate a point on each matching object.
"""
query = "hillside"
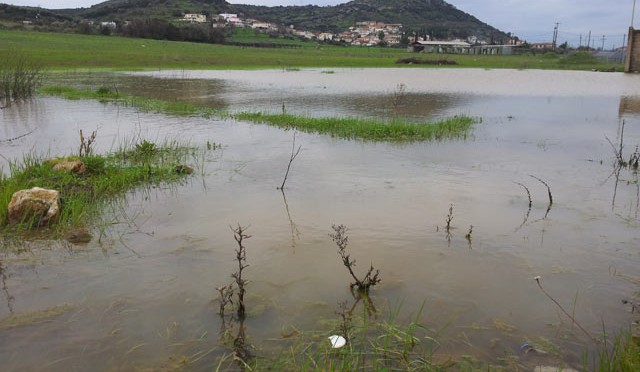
(131, 9)
(434, 17)
(429, 17)
(18, 14)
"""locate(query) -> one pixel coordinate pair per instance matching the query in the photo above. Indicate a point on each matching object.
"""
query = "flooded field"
(143, 296)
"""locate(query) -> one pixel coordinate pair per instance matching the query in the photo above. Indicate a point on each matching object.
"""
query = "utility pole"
(603, 39)
(580, 45)
(589, 40)
(555, 35)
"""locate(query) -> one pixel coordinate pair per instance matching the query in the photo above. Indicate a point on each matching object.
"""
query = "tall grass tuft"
(19, 78)
(622, 355)
(368, 129)
(106, 177)
(373, 345)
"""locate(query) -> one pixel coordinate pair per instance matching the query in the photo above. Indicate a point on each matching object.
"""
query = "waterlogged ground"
(143, 295)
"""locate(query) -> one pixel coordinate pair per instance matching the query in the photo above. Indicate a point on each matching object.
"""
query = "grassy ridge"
(68, 51)
(368, 129)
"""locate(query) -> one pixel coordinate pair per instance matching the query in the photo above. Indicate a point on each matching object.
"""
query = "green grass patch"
(19, 78)
(70, 51)
(622, 354)
(104, 94)
(349, 128)
(456, 127)
(372, 345)
(105, 178)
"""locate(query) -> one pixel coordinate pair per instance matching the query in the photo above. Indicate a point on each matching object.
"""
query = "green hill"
(433, 17)
(426, 17)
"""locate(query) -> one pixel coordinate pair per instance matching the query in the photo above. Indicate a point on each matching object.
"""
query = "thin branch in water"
(368, 304)
(226, 297)
(526, 216)
(537, 279)
(528, 193)
(241, 257)
(86, 144)
(371, 277)
(18, 137)
(5, 288)
(621, 162)
(295, 233)
(549, 192)
(468, 236)
(448, 224)
(294, 154)
(548, 188)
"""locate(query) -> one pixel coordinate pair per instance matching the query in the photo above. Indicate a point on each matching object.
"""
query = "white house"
(232, 19)
(195, 18)
(112, 25)
(324, 36)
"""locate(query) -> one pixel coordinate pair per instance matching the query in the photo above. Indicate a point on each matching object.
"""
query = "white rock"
(337, 341)
(37, 204)
(553, 369)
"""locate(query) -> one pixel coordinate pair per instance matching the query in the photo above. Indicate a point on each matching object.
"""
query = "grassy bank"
(368, 129)
(103, 177)
(71, 51)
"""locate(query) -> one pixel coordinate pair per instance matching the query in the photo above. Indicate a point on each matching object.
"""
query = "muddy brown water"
(143, 297)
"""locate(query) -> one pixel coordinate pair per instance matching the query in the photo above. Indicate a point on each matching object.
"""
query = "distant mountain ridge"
(436, 18)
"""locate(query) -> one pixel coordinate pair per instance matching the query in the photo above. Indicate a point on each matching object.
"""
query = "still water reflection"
(144, 293)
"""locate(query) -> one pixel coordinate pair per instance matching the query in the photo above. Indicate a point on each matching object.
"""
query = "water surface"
(145, 292)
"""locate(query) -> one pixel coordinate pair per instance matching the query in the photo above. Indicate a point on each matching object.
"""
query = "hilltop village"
(365, 33)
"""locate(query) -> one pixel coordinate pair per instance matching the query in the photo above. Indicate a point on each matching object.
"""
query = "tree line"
(159, 29)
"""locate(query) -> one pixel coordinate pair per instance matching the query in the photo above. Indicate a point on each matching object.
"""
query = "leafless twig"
(294, 154)
(538, 279)
(241, 257)
(371, 277)
(526, 217)
(86, 144)
(549, 192)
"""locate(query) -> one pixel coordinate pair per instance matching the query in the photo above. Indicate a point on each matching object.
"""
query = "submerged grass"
(19, 78)
(368, 129)
(105, 177)
(104, 94)
(372, 345)
(35, 317)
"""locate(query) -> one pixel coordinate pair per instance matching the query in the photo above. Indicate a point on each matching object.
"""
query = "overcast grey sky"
(532, 20)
